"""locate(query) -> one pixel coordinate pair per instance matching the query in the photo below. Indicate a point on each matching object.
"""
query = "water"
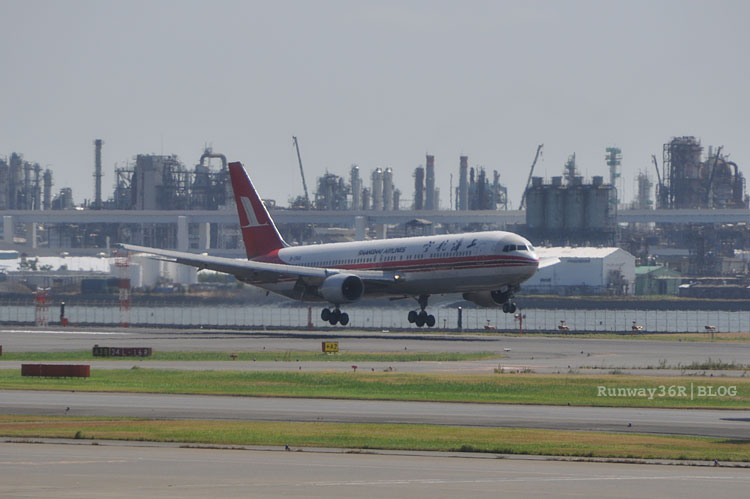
(393, 317)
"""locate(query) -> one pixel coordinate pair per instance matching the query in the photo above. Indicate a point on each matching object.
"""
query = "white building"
(584, 271)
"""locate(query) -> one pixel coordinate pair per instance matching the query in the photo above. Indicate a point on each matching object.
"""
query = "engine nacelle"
(342, 288)
(487, 298)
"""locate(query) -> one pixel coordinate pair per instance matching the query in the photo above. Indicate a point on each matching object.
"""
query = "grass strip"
(382, 436)
(584, 390)
(263, 355)
(676, 337)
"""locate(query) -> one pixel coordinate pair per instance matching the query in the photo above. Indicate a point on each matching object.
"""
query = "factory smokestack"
(419, 188)
(377, 189)
(98, 174)
(356, 183)
(429, 200)
(463, 184)
(37, 199)
(388, 189)
(47, 179)
(27, 193)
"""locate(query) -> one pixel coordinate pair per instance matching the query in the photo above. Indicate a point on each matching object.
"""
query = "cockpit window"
(515, 247)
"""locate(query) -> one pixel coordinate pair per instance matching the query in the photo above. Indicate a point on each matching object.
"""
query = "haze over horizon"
(374, 83)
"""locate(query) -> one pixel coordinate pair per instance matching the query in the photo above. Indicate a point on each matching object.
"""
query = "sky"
(378, 83)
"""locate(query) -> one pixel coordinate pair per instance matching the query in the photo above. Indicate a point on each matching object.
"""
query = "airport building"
(584, 271)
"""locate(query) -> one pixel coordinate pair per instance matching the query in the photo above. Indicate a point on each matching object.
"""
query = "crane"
(302, 172)
(531, 173)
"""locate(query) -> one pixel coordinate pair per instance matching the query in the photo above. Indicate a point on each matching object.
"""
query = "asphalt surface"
(114, 470)
(714, 423)
(539, 354)
(126, 471)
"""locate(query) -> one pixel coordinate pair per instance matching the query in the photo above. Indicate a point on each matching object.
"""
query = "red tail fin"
(258, 230)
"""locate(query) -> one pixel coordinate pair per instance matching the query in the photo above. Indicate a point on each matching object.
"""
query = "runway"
(125, 471)
(699, 422)
(539, 354)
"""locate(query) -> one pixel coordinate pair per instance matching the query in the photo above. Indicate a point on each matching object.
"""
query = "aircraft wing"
(548, 262)
(249, 270)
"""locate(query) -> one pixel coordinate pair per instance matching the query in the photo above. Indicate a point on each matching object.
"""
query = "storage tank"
(535, 204)
(574, 206)
(149, 269)
(147, 178)
(598, 208)
(554, 206)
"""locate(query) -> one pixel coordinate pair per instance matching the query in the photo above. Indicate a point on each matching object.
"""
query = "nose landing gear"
(421, 318)
(334, 316)
(509, 307)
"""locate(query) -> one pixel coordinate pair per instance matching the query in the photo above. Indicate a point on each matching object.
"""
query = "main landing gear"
(421, 318)
(335, 316)
(506, 298)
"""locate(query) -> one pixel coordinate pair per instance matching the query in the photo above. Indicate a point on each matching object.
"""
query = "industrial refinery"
(160, 201)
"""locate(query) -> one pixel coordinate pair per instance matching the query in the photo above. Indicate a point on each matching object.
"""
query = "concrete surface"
(542, 355)
(104, 471)
(715, 423)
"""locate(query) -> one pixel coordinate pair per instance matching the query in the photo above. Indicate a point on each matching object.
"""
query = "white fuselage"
(441, 264)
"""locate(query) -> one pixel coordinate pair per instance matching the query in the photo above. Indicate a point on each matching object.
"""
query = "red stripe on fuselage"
(423, 265)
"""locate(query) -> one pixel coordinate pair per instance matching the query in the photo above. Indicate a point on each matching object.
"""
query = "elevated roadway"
(347, 218)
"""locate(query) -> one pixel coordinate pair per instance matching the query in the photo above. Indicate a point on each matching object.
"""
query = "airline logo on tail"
(252, 219)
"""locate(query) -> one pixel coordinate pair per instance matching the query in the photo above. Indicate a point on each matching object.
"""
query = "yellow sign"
(330, 346)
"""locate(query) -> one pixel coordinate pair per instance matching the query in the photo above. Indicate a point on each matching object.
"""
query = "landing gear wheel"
(513, 308)
(423, 318)
(412, 316)
(344, 319)
(325, 314)
(335, 317)
(506, 307)
(430, 320)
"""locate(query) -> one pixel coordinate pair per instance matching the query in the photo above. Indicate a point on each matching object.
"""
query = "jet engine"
(487, 298)
(342, 288)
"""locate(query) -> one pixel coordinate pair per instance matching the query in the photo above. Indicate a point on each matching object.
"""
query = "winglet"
(258, 230)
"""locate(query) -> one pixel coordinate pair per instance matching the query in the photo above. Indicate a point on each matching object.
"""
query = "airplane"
(487, 268)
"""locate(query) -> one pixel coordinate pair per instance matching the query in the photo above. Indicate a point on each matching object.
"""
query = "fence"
(378, 318)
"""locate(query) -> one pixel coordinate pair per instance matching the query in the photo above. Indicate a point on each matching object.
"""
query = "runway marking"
(54, 463)
(439, 481)
(31, 331)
